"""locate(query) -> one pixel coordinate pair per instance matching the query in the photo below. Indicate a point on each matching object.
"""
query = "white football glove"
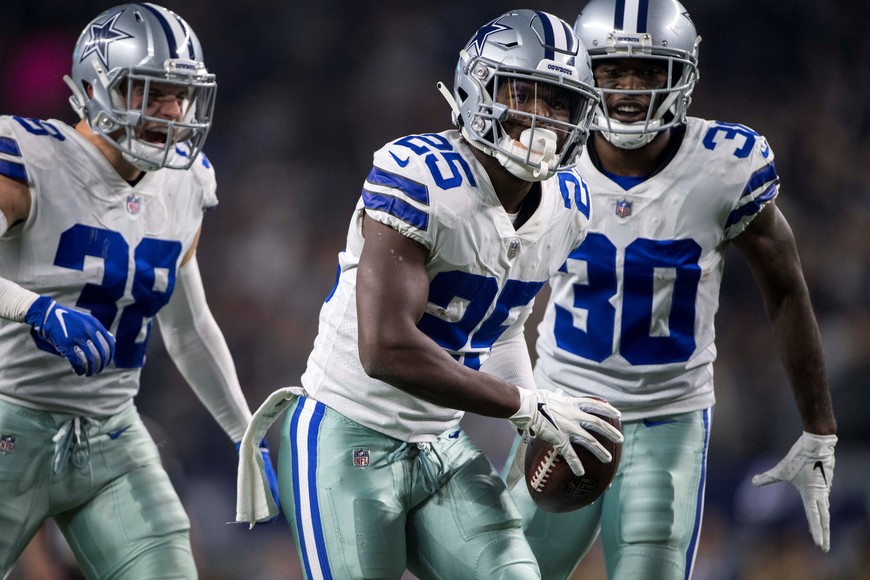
(809, 466)
(560, 419)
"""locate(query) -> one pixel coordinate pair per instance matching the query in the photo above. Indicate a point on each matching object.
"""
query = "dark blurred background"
(309, 90)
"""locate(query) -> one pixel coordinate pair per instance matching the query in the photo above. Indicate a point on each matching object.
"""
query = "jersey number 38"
(153, 281)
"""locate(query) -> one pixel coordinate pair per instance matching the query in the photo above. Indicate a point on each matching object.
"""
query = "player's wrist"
(818, 444)
(15, 301)
(522, 417)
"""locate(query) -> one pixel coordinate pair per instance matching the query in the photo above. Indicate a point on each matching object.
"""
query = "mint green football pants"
(104, 485)
(649, 518)
(364, 505)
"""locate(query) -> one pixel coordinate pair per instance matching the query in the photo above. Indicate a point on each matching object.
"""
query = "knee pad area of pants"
(507, 558)
(649, 561)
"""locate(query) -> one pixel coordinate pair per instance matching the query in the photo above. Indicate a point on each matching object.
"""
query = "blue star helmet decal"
(480, 38)
(100, 36)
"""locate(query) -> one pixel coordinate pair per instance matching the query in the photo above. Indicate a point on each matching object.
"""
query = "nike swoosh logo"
(454, 435)
(60, 312)
(818, 465)
(400, 161)
(542, 409)
(116, 434)
(653, 423)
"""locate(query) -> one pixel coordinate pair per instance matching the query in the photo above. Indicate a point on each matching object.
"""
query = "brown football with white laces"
(552, 484)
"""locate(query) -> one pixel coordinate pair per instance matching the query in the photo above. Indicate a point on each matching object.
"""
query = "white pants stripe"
(304, 428)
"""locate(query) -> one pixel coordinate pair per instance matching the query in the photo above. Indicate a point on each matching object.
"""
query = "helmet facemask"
(667, 105)
(148, 141)
(658, 30)
(532, 123)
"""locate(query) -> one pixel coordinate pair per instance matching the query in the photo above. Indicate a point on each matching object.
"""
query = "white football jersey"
(483, 273)
(631, 312)
(95, 243)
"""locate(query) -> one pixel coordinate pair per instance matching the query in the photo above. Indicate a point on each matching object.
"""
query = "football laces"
(544, 469)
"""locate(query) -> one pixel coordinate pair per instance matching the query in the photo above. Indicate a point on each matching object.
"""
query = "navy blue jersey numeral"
(638, 343)
(153, 259)
(730, 132)
(573, 188)
(40, 127)
(437, 152)
(478, 292)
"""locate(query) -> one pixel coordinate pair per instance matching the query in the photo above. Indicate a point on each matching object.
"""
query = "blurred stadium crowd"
(308, 90)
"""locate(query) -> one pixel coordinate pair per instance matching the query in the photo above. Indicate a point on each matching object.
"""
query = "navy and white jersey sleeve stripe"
(397, 196)
(399, 201)
(761, 188)
(11, 162)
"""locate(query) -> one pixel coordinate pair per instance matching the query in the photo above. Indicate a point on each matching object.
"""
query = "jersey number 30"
(638, 344)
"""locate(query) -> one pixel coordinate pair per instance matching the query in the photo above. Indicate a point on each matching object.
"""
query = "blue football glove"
(78, 337)
(271, 476)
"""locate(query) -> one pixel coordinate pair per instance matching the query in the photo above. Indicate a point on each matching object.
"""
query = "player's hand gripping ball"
(552, 484)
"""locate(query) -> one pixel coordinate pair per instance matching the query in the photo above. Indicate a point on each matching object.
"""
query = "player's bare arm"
(392, 291)
(769, 246)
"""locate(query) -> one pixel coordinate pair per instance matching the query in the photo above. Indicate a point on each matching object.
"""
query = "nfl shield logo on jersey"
(361, 458)
(7, 444)
(134, 204)
(513, 249)
(623, 208)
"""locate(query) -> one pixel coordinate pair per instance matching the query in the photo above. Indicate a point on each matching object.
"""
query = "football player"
(630, 317)
(99, 225)
(453, 236)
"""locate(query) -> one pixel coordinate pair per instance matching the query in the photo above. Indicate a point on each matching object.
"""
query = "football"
(552, 484)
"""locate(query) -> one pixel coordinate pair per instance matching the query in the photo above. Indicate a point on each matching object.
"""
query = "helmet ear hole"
(463, 96)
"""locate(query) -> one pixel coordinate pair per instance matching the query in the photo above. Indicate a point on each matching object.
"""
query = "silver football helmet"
(658, 29)
(125, 59)
(523, 93)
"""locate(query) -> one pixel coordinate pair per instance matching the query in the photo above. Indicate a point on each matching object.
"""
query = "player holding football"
(631, 312)
(98, 230)
(453, 236)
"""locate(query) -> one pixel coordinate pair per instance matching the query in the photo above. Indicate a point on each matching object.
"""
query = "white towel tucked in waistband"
(254, 501)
